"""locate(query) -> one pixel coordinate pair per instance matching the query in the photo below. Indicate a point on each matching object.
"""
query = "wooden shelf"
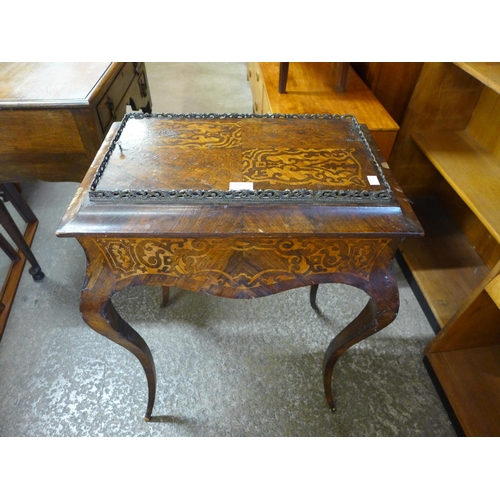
(493, 290)
(471, 380)
(486, 72)
(443, 263)
(469, 169)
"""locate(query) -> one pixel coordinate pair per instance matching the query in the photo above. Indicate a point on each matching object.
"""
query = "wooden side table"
(54, 116)
(239, 206)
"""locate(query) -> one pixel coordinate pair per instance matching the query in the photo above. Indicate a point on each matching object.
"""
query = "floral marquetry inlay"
(199, 135)
(303, 167)
(239, 264)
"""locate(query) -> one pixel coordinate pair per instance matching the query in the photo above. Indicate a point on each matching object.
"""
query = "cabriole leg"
(100, 314)
(380, 311)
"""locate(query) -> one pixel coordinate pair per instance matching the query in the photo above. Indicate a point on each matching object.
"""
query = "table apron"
(238, 267)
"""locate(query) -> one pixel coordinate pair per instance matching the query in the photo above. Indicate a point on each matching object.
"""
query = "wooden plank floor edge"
(13, 277)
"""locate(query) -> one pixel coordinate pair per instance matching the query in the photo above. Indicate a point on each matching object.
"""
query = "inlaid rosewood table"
(239, 206)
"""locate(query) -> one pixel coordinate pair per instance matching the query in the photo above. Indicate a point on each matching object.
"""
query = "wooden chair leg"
(283, 77)
(342, 71)
(8, 248)
(11, 193)
(13, 231)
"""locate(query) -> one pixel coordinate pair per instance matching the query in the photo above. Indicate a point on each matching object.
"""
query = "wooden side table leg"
(100, 314)
(380, 311)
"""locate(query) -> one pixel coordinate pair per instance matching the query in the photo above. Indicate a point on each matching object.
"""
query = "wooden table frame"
(237, 251)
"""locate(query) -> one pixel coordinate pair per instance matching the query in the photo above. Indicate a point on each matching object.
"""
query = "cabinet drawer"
(107, 109)
(137, 95)
(256, 85)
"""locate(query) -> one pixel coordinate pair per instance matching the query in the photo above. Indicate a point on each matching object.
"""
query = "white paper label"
(241, 186)
(373, 180)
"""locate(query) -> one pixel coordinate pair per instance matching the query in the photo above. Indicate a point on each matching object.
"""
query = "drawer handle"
(143, 86)
(110, 105)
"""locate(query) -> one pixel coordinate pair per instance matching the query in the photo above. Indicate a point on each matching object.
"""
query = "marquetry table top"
(243, 158)
(239, 173)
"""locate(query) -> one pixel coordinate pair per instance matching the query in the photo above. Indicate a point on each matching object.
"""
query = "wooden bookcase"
(447, 160)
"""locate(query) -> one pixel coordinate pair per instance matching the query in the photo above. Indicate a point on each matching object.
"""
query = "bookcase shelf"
(447, 160)
(469, 169)
(487, 73)
(461, 372)
(443, 263)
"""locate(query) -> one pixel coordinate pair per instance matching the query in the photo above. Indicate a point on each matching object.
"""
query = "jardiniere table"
(239, 206)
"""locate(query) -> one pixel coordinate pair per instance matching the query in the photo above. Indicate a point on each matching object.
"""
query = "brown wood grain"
(26, 83)
(54, 116)
(487, 73)
(443, 100)
(493, 290)
(392, 83)
(311, 88)
(484, 125)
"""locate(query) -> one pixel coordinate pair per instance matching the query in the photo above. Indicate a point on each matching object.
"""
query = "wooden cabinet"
(54, 116)
(447, 159)
(311, 89)
(260, 98)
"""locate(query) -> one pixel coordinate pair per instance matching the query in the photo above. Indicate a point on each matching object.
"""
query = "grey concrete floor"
(224, 367)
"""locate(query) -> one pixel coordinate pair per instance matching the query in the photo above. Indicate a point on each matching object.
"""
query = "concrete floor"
(224, 367)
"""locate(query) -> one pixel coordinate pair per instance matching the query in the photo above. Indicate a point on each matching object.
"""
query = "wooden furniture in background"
(392, 83)
(311, 90)
(447, 159)
(10, 193)
(54, 116)
(318, 205)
